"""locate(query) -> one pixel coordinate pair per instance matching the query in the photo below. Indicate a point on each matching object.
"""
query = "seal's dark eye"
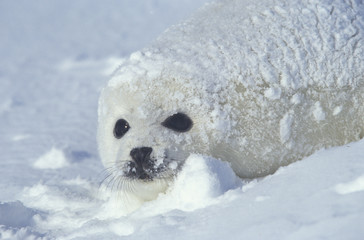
(121, 127)
(178, 122)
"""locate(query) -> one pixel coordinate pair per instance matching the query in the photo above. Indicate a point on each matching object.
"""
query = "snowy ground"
(55, 56)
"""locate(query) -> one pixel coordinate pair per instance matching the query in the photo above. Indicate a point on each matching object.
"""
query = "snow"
(319, 197)
(285, 127)
(53, 159)
(318, 112)
(272, 93)
(202, 180)
(55, 58)
(354, 186)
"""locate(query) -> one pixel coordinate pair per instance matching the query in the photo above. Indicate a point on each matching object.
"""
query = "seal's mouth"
(145, 167)
(150, 169)
(146, 170)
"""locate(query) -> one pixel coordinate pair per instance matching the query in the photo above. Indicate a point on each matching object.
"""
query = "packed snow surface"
(55, 57)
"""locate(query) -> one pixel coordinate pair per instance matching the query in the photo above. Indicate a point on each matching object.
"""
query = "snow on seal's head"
(259, 84)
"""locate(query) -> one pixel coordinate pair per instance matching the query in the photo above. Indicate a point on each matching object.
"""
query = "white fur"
(266, 83)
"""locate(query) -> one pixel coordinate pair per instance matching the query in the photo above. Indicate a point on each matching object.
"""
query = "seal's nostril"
(146, 150)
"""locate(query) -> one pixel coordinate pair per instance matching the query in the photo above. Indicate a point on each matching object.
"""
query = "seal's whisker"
(105, 178)
(119, 185)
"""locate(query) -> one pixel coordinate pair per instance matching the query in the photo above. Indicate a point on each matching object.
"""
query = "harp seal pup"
(259, 84)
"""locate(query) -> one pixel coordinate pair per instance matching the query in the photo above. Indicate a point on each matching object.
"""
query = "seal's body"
(259, 84)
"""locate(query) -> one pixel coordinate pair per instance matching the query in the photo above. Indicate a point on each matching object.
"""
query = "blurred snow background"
(55, 56)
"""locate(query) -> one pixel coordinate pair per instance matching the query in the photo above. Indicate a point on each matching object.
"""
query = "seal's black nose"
(142, 165)
(140, 155)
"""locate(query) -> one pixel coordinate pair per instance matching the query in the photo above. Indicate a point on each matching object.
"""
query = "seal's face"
(142, 143)
(143, 164)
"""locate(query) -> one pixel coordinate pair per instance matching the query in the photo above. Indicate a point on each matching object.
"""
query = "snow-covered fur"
(265, 83)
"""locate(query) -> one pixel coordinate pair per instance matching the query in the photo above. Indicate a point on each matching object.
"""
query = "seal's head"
(148, 126)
